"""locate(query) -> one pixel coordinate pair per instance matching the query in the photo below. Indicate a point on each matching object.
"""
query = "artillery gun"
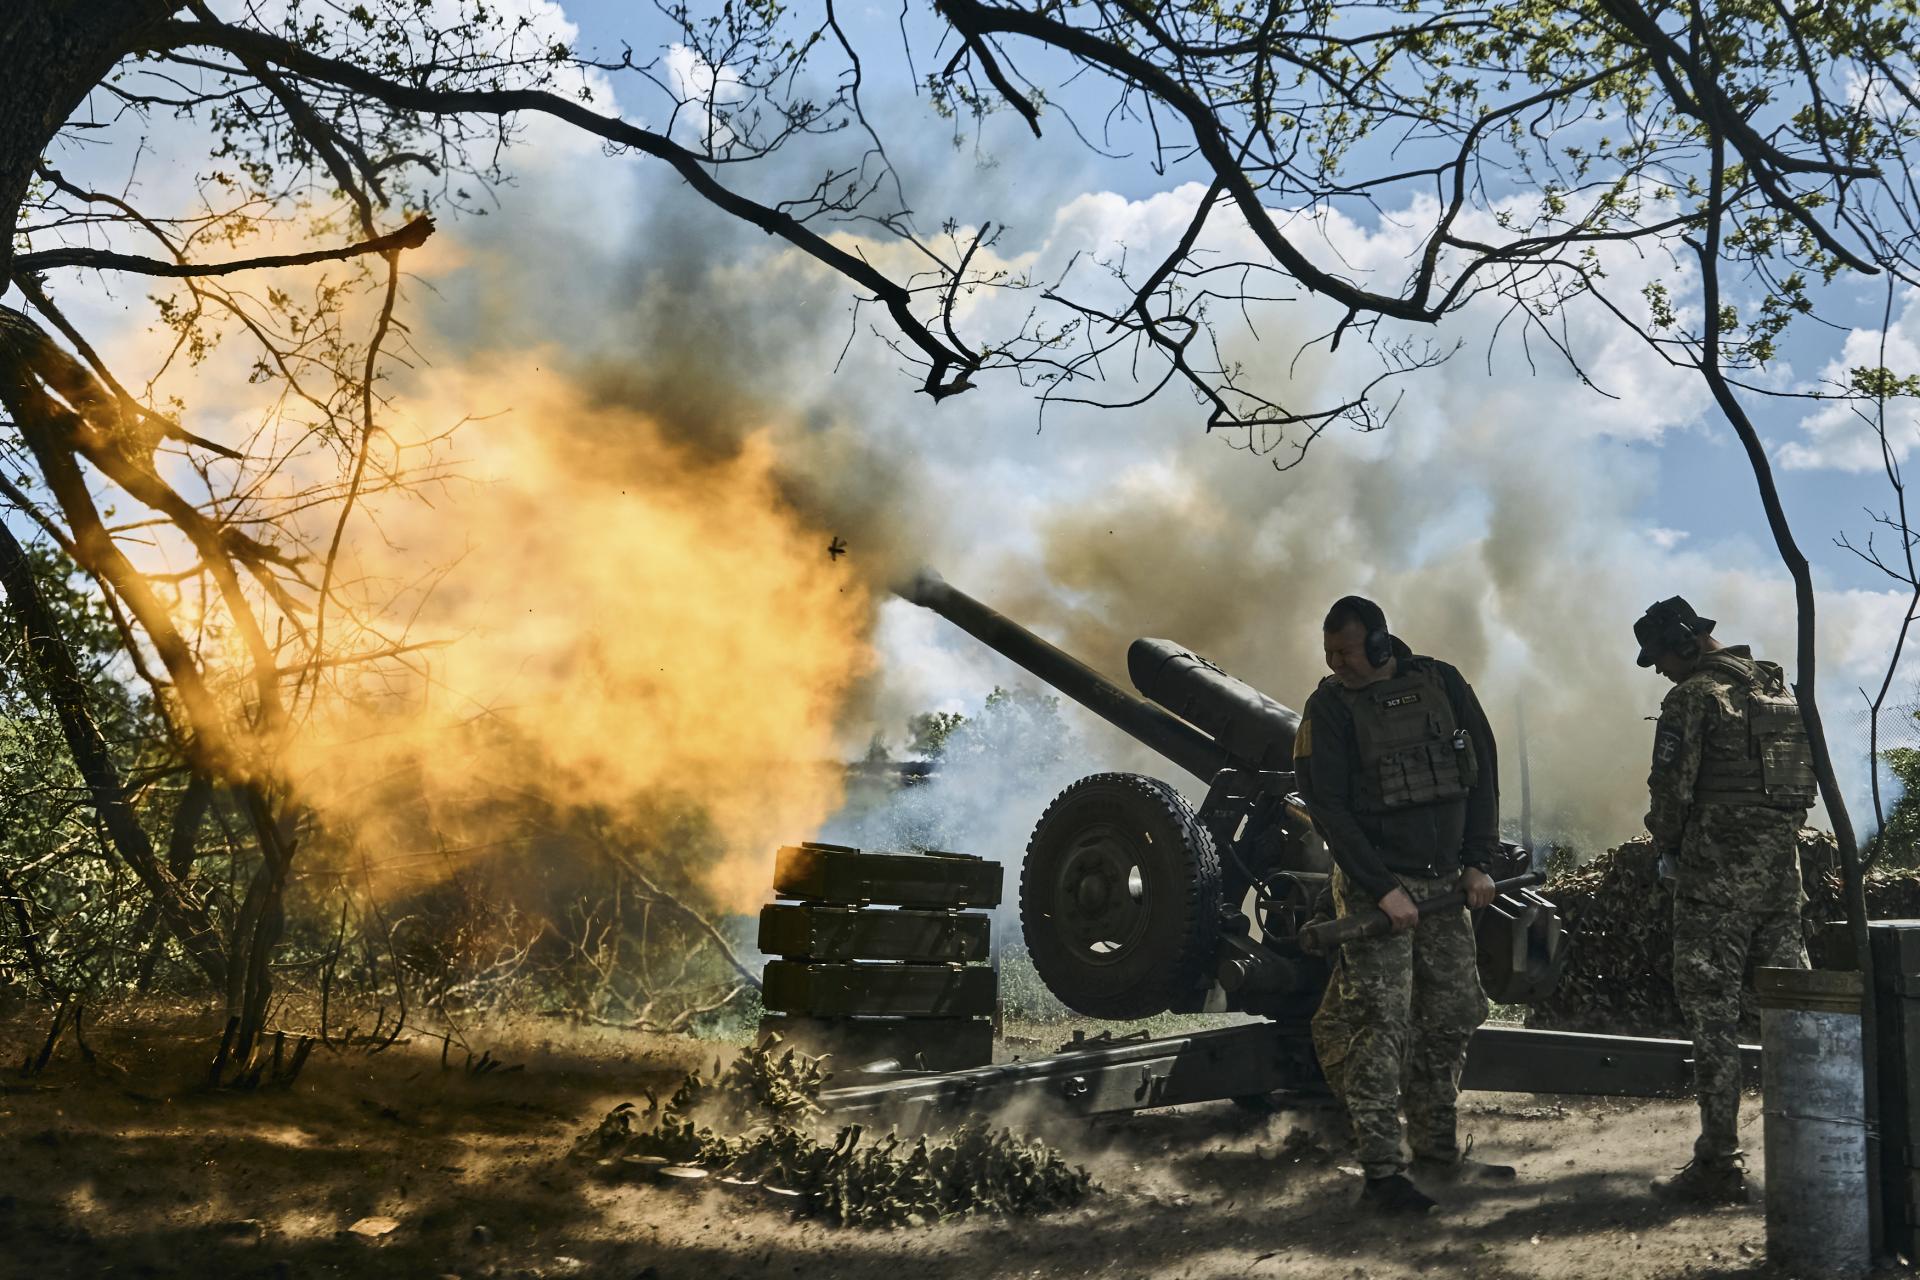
(1134, 902)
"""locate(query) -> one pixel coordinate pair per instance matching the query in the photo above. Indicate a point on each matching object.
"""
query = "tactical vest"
(1777, 769)
(1412, 750)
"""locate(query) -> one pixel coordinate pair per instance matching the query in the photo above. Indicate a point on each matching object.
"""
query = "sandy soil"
(129, 1170)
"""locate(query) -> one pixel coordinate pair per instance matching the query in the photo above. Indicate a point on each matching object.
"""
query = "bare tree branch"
(411, 236)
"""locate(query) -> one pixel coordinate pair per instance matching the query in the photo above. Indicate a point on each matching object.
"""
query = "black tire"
(1120, 897)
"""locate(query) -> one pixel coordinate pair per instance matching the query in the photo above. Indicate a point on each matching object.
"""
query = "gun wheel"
(1120, 897)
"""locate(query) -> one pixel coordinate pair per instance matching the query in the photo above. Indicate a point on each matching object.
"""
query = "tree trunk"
(186, 917)
(181, 847)
(263, 917)
(52, 54)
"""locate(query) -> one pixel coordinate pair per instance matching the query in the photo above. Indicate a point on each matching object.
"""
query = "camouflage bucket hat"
(1665, 625)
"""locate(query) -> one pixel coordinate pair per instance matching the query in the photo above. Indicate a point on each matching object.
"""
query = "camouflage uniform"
(1737, 891)
(1394, 1027)
(1402, 780)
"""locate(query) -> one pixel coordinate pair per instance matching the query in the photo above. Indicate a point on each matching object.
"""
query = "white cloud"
(1632, 396)
(706, 92)
(1836, 435)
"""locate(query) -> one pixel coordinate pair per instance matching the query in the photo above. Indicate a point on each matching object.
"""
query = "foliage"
(751, 1123)
(1898, 842)
(1529, 144)
(928, 732)
(1619, 918)
(1563, 860)
(1021, 721)
(1024, 997)
(599, 917)
(992, 768)
(84, 908)
(552, 921)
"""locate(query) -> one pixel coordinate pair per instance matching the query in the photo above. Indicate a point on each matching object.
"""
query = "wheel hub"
(1102, 905)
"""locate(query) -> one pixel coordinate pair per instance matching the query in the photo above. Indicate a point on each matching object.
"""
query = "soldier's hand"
(1478, 886)
(1400, 910)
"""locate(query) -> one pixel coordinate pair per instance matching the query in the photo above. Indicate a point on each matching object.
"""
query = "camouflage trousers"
(1394, 1027)
(1713, 945)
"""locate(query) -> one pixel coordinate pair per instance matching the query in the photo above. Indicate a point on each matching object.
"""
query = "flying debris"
(836, 548)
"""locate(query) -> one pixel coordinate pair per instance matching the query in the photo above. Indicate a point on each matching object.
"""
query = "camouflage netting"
(1619, 974)
(754, 1125)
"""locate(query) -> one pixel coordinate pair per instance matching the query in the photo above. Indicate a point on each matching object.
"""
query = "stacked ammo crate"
(880, 960)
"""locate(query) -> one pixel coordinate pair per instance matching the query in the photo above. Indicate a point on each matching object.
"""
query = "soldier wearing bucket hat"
(1731, 783)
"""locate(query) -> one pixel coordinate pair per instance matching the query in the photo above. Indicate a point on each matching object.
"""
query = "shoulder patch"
(1666, 747)
(1303, 739)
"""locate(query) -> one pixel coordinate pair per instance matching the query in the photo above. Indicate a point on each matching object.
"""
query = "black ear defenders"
(1379, 647)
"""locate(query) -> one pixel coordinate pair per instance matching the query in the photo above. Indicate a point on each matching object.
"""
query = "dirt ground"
(125, 1168)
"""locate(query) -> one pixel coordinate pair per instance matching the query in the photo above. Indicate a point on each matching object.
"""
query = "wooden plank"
(842, 933)
(847, 990)
(828, 873)
(916, 1044)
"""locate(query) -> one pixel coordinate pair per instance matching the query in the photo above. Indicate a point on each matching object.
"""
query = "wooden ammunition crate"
(811, 932)
(876, 957)
(836, 874)
(906, 990)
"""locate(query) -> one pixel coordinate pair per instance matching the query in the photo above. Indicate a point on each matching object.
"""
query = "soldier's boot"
(1394, 1194)
(1705, 1181)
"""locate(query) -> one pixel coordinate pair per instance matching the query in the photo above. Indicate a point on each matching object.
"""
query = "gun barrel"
(1159, 730)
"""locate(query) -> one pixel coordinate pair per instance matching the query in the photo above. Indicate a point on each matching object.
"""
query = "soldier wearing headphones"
(1396, 762)
(1731, 784)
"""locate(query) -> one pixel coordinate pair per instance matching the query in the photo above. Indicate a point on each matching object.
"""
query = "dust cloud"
(612, 616)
